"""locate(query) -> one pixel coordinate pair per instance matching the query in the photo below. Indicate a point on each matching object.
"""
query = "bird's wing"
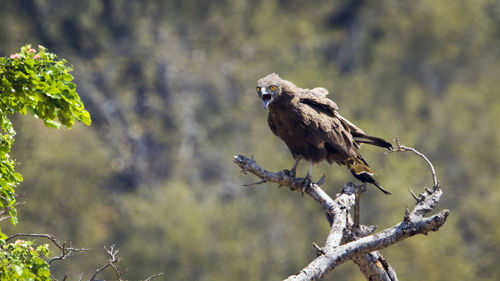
(319, 102)
(320, 113)
(320, 92)
(360, 137)
(354, 128)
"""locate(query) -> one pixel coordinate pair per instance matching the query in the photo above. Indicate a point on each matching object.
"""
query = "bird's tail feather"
(381, 189)
(360, 170)
(361, 138)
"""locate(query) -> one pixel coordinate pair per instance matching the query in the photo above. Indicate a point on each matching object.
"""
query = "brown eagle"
(309, 124)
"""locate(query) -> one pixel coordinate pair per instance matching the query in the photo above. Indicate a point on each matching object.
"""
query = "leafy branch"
(39, 83)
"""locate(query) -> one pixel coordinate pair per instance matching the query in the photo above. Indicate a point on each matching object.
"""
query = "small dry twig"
(112, 261)
(154, 276)
(402, 148)
(65, 250)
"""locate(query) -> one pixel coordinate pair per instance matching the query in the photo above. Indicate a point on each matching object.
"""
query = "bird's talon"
(304, 189)
(321, 180)
(288, 173)
(306, 184)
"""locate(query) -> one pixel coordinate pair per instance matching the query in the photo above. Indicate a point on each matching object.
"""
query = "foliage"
(20, 261)
(170, 85)
(39, 83)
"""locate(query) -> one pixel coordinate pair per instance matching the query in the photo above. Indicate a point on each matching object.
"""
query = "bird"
(310, 125)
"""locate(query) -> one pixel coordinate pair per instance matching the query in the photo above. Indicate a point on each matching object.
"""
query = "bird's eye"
(258, 89)
(272, 88)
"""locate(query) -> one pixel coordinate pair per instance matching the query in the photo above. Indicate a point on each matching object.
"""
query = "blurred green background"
(170, 86)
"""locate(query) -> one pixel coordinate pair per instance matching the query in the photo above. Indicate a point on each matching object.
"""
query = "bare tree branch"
(362, 250)
(112, 261)
(402, 148)
(374, 267)
(284, 179)
(417, 224)
(65, 250)
(154, 276)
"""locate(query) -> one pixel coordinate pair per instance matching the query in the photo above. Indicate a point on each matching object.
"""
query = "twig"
(402, 148)
(65, 251)
(154, 276)
(319, 250)
(112, 261)
(418, 199)
(255, 183)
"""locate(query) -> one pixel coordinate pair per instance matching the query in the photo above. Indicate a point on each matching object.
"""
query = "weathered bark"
(347, 241)
(374, 267)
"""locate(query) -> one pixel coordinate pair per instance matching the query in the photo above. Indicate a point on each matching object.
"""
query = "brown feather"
(311, 127)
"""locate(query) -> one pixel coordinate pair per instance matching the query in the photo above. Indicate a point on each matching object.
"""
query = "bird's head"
(269, 88)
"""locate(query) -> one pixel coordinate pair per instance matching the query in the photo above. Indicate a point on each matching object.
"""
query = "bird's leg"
(307, 180)
(294, 168)
(309, 172)
(292, 173)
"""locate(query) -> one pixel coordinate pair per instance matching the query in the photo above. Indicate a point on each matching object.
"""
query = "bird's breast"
(298, 135)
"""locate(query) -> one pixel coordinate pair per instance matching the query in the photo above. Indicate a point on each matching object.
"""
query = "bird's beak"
(266, 97)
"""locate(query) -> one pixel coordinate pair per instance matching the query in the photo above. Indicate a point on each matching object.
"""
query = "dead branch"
(362, 250)
(284, 179)
(402, 148)
(66, 251)
(112, 261)
(375, 267)
(154, 276)
(335, 256)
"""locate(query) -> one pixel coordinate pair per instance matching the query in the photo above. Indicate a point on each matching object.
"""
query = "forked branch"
(402, 148)
(344, 242)
(66, 251)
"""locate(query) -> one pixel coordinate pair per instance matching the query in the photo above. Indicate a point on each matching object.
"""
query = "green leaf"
(85, 118)
(52, 124)
(13, 216)
(2, 237)
(18, 176)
